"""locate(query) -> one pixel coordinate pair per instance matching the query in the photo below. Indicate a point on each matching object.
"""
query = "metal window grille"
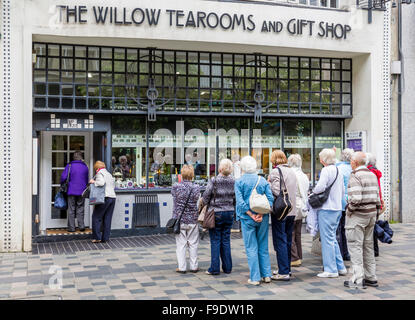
(146, 211)
(76, 78)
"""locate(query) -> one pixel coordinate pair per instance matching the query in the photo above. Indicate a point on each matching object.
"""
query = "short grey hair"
(225, 167)
(346, 155)
(360, 158)
(77, 155)
(248, 165)
(328, 156)
(370, 159)
(295, 160)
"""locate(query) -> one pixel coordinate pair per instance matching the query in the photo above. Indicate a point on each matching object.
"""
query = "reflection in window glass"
(328, 134)
(165, 152)
(129, 152)
(298, 139)
(266, 137)
(233, 140)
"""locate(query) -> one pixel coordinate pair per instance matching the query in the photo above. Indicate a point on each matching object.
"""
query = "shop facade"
(148, 88)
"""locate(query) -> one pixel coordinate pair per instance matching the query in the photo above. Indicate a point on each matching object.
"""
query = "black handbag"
(85, 193)
(316, 200)
(173, 225)
(64, 186)
(282, 204)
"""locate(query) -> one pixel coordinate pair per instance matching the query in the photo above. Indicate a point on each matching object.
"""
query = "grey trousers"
(359, 234)
(187, 239)
(76, 206)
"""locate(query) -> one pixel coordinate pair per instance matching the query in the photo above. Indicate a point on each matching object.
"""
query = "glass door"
(57, 151)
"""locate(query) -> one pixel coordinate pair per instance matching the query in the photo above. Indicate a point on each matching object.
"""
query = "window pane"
(328, 134)
(129, 152)
(266, 137)
(298, 139)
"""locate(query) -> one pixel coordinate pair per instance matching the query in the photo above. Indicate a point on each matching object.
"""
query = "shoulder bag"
(96, 194)
(173, 225)
(259, 202)
(209, 215)
(316, 200)
(282, 204)
(64, 186)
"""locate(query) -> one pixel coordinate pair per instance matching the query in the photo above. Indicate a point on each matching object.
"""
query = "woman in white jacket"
(303, 184)
(102, 214)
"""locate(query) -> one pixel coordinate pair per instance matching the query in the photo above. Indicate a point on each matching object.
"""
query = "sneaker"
(353, 285)
(180, 271)
(281, 277)
(275, 272)
(343, 272)
(370, 283)
(296, 263)
(266, 279)
(210, 273)
(327, 275)
(254, 283)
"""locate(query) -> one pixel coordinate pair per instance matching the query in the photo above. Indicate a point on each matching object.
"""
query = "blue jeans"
(282, 235)
(255, 236)
(328, 221)
(220, 243)
(101, 219)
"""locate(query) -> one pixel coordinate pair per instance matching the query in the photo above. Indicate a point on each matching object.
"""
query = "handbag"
(96, 194)
(259, 202)
(173, 225)
(209, 218)
(86, 192)
(282, 204)
(64, 186)
(60, 201)
(316, 200)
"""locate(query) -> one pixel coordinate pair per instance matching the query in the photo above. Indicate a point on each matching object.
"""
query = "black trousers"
(341, 237)
(101, 219)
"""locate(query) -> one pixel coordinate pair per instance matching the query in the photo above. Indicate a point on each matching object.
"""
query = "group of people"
(349, 214)
(76, 175)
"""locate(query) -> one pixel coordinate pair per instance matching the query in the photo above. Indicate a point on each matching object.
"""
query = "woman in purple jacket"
(78, 180)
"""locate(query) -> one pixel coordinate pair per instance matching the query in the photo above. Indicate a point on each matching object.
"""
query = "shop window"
(128, 163)
(233, 141)
(298, 139)
(328, 134)
(266, 137)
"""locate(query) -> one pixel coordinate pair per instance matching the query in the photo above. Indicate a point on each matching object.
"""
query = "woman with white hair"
(295, 162)
(346, 169)
(220, 196)
(254, 226)
(329, 215)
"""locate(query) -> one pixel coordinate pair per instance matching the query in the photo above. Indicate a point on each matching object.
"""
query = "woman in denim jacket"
(254, 226)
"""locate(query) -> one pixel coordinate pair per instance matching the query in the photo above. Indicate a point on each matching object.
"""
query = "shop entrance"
(57, 150)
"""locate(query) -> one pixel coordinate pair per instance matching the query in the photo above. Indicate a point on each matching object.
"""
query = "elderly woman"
(371, 165)
(329, 215)
(102, 215)
(346, 169)
(254, 226)
(295, 162)
(220, 196)
(185, 197)
(282, 230)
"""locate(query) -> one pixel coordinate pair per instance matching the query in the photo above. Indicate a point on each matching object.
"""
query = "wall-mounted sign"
(181, 19)
(356, 140)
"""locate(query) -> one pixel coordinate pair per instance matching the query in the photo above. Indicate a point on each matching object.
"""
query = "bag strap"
(185, 205)
(281, 179)
(337, 173)
(69, 173)
(257, 182)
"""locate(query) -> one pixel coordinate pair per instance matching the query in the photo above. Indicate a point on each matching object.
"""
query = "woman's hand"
(91, 181)
(255, 217)
(258, 218)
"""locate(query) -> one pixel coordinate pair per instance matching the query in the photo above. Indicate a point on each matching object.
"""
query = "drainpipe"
(400, 82)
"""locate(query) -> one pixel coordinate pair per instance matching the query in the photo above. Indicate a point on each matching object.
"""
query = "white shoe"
(275, 272)
(281, 277)
(327, 275)
(254, 283)
(343, 272)
(266, 279)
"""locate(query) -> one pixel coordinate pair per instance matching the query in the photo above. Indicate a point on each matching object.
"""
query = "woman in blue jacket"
(254, 226)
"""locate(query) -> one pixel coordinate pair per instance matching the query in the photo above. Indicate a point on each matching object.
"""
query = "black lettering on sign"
(321, 33)
(252, 27)
(201, 18)
(179, 14)
(209, 20)
(238, 21)
(171, 12)
(134, 16)
(100, 16)
(226, 21)
(81, 10)
(151, 16)
(190, 22)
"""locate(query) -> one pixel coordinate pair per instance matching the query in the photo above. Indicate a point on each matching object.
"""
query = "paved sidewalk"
(143, 268)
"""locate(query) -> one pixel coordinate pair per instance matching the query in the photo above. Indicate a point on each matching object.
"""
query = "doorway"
(57, 150)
